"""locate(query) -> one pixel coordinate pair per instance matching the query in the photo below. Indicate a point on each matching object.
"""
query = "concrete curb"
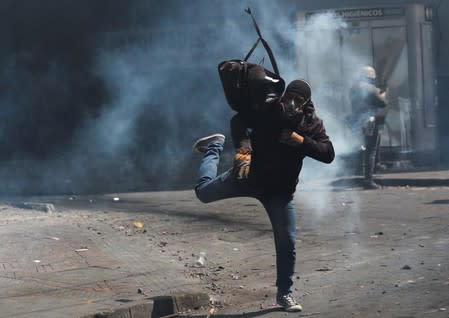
(171, 305)
(38, 206)
(160, 306)
(413, 182)
(143, 310)
(391, 182)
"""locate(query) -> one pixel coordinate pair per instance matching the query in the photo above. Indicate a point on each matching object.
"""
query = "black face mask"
(295, 113)
(291, 111)
(294, 107)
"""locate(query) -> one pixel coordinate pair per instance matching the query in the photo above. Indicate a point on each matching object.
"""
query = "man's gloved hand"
(242, 162)
(291, 138)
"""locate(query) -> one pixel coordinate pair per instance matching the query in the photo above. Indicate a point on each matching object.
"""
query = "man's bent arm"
(321, 150)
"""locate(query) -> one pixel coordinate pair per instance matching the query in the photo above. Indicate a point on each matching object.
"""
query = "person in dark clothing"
(368, 111)
(270, 147)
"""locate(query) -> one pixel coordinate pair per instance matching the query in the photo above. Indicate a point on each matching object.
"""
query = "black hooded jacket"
(275, 166)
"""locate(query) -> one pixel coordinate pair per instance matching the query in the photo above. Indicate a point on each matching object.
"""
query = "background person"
(368, 111)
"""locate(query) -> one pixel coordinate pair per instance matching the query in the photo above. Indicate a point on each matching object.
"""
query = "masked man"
(270, 147)
(368, 111)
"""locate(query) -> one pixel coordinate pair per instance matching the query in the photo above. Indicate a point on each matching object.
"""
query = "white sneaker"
(288, 303)
(201, 144)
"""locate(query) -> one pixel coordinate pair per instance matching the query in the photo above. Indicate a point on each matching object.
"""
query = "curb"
(133, 311)
(38, 206)
(391, 182)
(159, 307)
(167, 306)
(413, 182)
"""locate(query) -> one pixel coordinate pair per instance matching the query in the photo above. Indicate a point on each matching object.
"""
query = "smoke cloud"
(107, 97)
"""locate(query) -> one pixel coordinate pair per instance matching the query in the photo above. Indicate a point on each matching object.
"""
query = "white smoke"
(310, 49)
(129, 91)
(161, 85)
(319, 53)
(136, 85)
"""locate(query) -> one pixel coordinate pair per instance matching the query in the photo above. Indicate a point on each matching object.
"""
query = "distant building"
(406, 42)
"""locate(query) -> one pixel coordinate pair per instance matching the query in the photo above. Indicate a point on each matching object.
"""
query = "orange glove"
(242, 162)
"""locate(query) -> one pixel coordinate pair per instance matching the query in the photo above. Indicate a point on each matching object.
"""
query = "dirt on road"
(382, 253)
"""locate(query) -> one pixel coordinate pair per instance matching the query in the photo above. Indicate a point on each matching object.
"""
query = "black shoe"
(201, 144)
(288, 303)
(370, 185)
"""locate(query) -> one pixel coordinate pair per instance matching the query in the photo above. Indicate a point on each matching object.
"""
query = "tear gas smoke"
(106, 103)
(318, 58)
(114, 105)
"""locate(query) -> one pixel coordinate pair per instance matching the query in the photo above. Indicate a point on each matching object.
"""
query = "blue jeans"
(280, 209)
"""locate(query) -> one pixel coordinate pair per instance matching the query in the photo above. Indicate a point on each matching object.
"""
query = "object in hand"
(242, 163)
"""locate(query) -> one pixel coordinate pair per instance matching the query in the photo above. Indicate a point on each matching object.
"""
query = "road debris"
(53, 238)
(138, 224)
(406, 267)
(212, 311)
(200, 260)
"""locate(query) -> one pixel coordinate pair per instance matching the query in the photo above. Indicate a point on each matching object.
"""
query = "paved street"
(382, 253)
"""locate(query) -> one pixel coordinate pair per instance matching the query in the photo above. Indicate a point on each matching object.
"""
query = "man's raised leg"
(209, 186)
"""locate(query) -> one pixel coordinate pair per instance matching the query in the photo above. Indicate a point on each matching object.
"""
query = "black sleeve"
(239, 133)
(317, 144)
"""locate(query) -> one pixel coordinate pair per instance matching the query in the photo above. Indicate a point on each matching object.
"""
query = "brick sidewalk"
(57, 265)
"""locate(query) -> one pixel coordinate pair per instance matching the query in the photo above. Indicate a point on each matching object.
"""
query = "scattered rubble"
(138, 224)
(406, 267)
(200, 260)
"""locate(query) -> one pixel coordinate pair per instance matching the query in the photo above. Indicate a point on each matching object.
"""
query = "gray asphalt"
(378, 253)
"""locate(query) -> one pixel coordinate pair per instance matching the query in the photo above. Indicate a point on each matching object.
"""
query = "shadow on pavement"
(439, 202)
